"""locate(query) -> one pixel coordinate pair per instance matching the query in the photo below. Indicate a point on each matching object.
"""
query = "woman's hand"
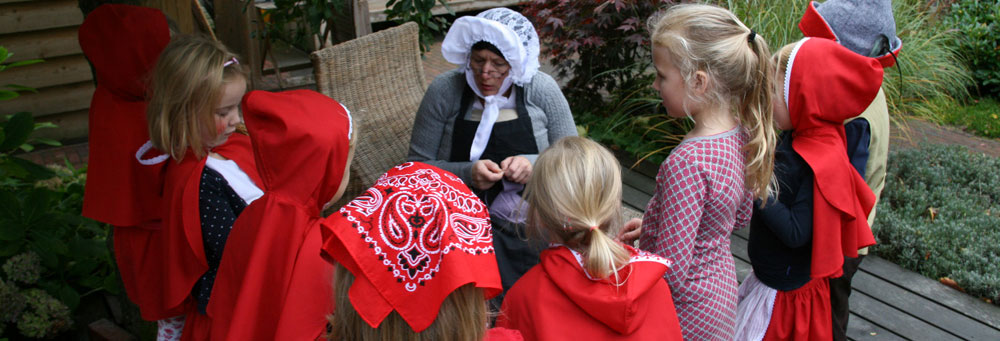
(517, 169)
(631, 232)
(485, 173)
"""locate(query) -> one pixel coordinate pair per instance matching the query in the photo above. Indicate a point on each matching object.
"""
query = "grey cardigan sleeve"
(429, 127)
(547, 96)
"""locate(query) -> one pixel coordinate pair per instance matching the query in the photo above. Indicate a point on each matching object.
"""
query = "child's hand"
(485, 173)
(516, 169)
(630, 232)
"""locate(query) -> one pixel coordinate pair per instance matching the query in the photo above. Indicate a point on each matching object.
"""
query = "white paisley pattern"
(408, 231)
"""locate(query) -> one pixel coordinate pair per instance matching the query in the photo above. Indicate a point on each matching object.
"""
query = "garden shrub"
(598, 46)
(978, 25)
(940, 216)
(51, 255)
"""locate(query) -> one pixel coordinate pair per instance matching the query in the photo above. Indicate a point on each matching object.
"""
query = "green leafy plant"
(599, 46)
(419, 11)
(634, 121)
(52, 256)
(978, 25)
(11, 91)
(928, 73)
(938, 215)
(302, 21)
(981, 116)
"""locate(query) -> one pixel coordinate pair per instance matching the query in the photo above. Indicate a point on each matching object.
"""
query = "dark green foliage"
(599, 46)
(981, 117)
(634, 120)
(419, 11)
(51, 255)
(940, 215)
(978, 24)
(301, 21)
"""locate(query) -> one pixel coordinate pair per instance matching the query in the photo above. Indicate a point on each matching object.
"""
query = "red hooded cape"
(123, 43)
(173, 258)
(557, 300)
(272, 282)
(825, 84)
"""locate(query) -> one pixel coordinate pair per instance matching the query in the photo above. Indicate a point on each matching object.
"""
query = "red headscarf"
(394, 239)
(123, 43)
(272, 282)
(826, 84)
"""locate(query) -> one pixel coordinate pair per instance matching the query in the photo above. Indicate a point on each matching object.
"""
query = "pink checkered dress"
(699, 200)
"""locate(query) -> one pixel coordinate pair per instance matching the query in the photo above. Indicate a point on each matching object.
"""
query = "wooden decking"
(888, 303)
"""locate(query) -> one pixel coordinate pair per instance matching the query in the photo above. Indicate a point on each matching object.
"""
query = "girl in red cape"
(273, 284)
(415, 260)
(209, 178)
(123, 42)
(587, 286)
(798, 240)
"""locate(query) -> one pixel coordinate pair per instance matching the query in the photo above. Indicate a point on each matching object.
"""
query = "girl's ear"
(700, 83)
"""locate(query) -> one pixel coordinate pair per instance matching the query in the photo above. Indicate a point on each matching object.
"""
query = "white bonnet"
(509, 31)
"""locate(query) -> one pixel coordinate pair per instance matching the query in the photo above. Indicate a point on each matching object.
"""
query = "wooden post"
(353, 22)
(178, 11)
(240, 30)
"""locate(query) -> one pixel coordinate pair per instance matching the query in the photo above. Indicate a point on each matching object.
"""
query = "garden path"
(890, 303)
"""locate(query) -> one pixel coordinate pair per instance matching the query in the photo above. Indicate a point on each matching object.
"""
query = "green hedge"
(940, 216)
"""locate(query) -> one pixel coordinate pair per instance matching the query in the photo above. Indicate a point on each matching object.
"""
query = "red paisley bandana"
(395, 238)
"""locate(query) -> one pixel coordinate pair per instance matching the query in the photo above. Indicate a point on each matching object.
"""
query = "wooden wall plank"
(42, 44)
(72, 126)
(52, 100)
(39, 15)
(52, 72)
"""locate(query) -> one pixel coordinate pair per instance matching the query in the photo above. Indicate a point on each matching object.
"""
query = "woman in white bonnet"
(487, 120)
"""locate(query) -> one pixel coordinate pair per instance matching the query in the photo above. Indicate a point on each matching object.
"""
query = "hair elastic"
(231, 61)
(592, 228)
(752, 36)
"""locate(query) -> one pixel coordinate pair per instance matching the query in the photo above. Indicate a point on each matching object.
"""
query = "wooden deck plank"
(892, 319)
(859, 328)
(960, 302)
(922, 308)
(638, 181)
(634, 198)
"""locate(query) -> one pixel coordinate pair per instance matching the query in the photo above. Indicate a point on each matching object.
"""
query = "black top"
(219, 205)
(780, 246)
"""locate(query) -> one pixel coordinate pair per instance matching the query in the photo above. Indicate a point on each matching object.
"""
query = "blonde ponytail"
(712, 40)
(574, 198)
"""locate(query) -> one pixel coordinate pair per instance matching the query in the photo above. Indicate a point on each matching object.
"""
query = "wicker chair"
(380, 78)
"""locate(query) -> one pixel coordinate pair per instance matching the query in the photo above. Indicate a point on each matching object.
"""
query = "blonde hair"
(574, 198)
(187, 83)
(780, 61)
(712, 40)
(462, 317)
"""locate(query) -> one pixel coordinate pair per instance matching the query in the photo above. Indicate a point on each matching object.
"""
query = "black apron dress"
(515, 254)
